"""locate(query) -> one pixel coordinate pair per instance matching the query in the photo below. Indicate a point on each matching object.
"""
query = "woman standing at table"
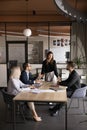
(15, 86)
(49, 68)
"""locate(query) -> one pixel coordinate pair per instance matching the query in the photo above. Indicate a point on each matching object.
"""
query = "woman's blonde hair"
(15, 72)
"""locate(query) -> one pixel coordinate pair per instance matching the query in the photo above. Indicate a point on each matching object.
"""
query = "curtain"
(79, 41)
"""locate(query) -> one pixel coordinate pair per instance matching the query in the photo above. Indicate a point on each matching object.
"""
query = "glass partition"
(2, 43)
(45, 36)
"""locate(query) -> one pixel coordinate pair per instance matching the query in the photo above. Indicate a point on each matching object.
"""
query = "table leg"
(14, 122)
(65, 116)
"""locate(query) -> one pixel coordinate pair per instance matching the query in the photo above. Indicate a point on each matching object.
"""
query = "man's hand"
(32, 87)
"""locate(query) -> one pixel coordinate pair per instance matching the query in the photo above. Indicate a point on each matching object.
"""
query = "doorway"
(16, 54)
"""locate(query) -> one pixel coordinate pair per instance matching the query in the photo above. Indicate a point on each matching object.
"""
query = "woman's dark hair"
(25, 65)
(50, 52)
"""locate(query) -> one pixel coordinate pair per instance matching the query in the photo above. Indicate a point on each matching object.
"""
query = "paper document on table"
(40, 90)
(26, 89)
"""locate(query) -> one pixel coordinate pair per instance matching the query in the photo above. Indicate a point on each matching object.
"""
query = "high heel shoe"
(37, 118)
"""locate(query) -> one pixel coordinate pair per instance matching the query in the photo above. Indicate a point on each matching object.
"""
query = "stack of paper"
(40, 90)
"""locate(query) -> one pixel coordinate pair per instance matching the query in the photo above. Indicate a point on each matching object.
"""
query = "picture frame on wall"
(58, 42)
(54, 42)
(62, 42)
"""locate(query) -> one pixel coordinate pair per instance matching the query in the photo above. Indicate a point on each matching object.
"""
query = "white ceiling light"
(27, 31)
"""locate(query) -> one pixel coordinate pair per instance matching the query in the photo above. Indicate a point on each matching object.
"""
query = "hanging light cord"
(27, 13)
(27, 32)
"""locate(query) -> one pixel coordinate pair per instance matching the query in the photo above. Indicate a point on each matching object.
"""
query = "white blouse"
(15, 86)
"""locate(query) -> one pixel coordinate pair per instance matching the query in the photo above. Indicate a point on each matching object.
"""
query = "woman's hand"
(40, 76)
(59, 79)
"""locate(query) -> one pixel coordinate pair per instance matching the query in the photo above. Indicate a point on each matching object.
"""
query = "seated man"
(26, 76)
(72, 82)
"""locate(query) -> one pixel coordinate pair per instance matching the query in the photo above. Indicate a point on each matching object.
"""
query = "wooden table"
(56, 96)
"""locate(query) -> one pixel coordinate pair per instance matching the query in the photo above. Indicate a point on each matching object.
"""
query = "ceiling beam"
(36, 18)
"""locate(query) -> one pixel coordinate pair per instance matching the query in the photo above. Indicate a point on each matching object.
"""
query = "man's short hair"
(25, 65)
(71, 64)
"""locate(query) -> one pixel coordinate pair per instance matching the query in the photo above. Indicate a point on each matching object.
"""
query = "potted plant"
(78, 62)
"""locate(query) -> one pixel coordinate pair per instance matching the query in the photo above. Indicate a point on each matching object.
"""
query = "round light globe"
(27, 32)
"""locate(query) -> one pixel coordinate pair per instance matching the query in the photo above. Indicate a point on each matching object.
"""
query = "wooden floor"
(75, 121)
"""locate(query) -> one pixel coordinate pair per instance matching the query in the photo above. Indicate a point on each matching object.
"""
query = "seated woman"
(15, 86)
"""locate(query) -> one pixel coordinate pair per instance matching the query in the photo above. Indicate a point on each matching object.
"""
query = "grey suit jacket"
(73, 82)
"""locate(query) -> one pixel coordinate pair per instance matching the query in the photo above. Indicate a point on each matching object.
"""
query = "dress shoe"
(54, 113)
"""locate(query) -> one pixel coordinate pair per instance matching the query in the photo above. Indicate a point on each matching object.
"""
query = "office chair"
(79, 94)
(8, 99)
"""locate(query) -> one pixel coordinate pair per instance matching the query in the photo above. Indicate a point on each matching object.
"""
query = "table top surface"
(49, 96)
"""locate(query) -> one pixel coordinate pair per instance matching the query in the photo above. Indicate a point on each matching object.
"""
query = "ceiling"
(39, 14)
(80, 5)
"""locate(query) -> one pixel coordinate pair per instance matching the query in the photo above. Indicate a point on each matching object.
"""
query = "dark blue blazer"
(24, 78)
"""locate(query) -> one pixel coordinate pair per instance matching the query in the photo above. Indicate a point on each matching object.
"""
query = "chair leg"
(71, 103)
(21, 112)
(77, 106)
(84, 112)
(83, 106)
(9, 114)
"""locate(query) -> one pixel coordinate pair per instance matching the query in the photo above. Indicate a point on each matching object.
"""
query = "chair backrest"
(8, 98)
(80, 93)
